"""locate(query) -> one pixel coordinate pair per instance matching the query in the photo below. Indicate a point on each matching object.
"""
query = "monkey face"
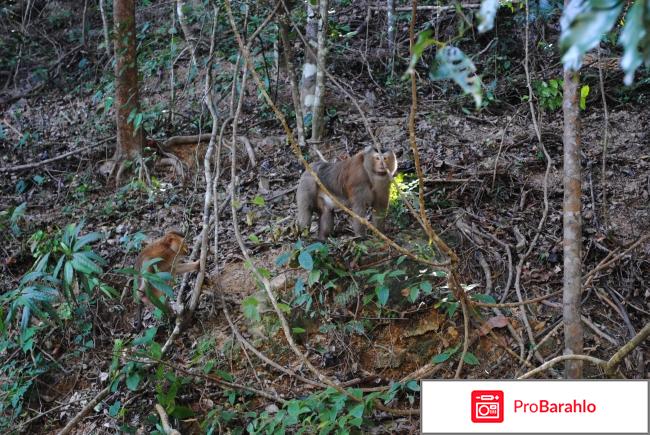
(385, 163)
(177, 244)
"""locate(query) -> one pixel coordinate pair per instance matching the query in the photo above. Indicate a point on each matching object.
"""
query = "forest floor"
(484, 190)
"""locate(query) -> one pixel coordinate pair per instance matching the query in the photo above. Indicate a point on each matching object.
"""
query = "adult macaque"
(170, 248)
(362, 180)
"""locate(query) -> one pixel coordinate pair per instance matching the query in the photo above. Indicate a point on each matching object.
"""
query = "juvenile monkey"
(170, 248)
(362, 180)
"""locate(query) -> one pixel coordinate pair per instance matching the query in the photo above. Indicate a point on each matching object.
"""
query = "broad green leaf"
(147, 337)
(584, 93)
(382, 294)
(299, 286)
(424, 41)
(84, 240)
(258, 200)
(132, 381)
(583, 24)
(114, 409)
(471, 359)
(83, 264)
(635, 39)
(283, 259)
(413, 385)
(250, 307)
(68, 273)
(440, 358)
(414, 292)
(487, 299)
(426, 287)
(305, 260)
(486, 15)
(314, 277)
(451, 63)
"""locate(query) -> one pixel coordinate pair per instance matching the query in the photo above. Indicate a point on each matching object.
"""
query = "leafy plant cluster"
(57, 291)
(329, 411)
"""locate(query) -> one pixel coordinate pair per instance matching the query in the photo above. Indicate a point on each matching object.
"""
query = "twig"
(53, 159)
(515, 304)
(606, 263)
(560, 358)
(603, 174)
(164, 421)
(86, 409)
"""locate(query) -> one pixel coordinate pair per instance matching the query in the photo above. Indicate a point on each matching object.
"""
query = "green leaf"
(299, 286)
(250, 307)
(283, 259)
(487, 14)
(487, 299)
(413, 385)
(258, 200)
(357, 410)
(147, 337)
(83, 264)
(297, 330)
(584, 92)
(452, 63)
(440, 358)
(583, 24)
(424, 41)
(305, 260)
(84, 240)
(132, 381)
(635, 39)
(253, 238)
(382, 293)
(414, 292)
(68, 273)
(426, 287)
(314, 277)
(114, 409)
(471, 359)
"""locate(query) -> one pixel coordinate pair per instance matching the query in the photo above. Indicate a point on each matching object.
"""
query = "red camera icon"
(487, 406)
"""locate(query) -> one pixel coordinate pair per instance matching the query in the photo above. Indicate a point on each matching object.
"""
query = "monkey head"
(174, 240)
(380, 164)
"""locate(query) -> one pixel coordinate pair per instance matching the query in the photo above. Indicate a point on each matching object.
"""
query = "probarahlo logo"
(487, 406)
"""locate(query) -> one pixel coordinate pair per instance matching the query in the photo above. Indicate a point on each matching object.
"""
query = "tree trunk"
(390, 17)
(287, 52)
(308, 81)
(318, 109)
(127, 99)
(573, 334)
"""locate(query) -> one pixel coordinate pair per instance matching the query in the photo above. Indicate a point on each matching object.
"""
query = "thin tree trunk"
(287, 51)
(319, 93)
(107, 40)
(390, 17)
(573, 334)
(308, 81)
(127, 99)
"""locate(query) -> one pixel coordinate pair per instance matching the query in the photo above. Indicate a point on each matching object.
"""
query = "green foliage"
(64, 265)
(549, 94)
(10, 218)
(450, 63)
(584, 22)
(486, 15)
(406, 184)
(324, 412)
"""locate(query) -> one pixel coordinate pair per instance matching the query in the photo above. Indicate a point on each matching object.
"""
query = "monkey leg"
(326, 223)
(306, 198)
(357, 226)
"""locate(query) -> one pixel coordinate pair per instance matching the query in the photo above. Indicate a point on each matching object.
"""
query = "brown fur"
(170, 248)
(361, 181)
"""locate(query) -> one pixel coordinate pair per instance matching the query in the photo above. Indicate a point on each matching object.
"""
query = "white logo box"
(598, 406)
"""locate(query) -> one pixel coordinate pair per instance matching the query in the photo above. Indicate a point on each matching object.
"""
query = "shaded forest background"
(366, 321)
